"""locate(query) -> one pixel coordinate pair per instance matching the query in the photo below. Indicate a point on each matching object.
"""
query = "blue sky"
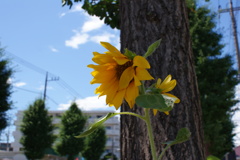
(42, 36)
(54, 39)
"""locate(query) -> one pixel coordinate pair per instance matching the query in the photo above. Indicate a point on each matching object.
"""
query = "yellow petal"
(140, 62)
(167, 113)
(170, 95)
(158, 83)
(142, 74)
(166, 80)
(118, 99)
(103, 58)
(108, 87)
(155, 112)
(102, 68)
(131, 94)
(126, 77)
(121, 60)
(114, 51)
(136, 81)
(169, 86)
(101, 77)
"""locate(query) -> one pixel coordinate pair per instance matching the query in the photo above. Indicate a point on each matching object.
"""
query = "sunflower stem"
(163, 152)
(150, 134)
(133, 114)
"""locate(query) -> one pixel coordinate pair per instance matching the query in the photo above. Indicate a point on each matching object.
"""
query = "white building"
(112, 129)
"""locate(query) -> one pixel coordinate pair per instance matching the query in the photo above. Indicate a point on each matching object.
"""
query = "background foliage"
(5, 90)
(72, 124)
(37, 130)
(216, 80)
(95, 143)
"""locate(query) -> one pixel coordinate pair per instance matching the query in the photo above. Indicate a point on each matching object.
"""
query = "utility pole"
(234, 25)
(45, 87)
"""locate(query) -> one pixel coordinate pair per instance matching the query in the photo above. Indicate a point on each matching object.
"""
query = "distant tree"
(37, 130)
(216, 80)
(72, 124)
(95, 144)
(5, 90)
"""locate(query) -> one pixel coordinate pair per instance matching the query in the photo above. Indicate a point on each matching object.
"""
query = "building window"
(108, 127)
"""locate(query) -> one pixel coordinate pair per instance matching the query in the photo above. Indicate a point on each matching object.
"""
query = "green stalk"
(163, 152)
(133, 114)
(150, 134)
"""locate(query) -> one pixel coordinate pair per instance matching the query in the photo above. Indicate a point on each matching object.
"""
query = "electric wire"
(35, 68)
(27, 90)
(27, 64)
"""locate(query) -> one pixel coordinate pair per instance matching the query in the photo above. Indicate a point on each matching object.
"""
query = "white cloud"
(10, 80)
(83, 35)
(77, 8)
(77, 39)
(105, 37)
(16, 84)
(62, 14)
(89, 103)
(19, 84)
(53, 49)
(91, 24)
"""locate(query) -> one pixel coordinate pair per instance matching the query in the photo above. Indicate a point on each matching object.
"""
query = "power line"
(26, 90)
(35, 68)
(37, 93)
(73, 91)
(27, 64)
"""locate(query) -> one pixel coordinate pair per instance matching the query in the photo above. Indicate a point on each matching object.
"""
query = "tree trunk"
(142, 23)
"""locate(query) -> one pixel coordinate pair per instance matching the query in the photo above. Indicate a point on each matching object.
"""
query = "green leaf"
(153, 101)
(129, 54)
(182, 136)
(95, 125)
(152, 48)
(211, 157)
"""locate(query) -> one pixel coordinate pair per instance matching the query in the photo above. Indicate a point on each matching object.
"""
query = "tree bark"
(142, 23)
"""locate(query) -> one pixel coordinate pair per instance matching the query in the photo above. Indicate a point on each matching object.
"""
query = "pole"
(45, 88)
(234, 25)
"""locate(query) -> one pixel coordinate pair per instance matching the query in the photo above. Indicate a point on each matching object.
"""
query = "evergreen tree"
(72, 124)
(37, 130)
(216, 79)
(95, 143)
(5, 90)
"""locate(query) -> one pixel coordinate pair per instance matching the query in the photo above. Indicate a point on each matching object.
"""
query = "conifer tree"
(5, 90)
(95, 143)
(37, 130)
(72, 124)
(216, 80)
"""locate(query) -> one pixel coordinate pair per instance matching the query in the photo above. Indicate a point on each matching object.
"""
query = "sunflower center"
(121, 68)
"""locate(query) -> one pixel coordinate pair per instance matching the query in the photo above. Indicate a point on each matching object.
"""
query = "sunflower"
(166, 86)
(119, 75)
